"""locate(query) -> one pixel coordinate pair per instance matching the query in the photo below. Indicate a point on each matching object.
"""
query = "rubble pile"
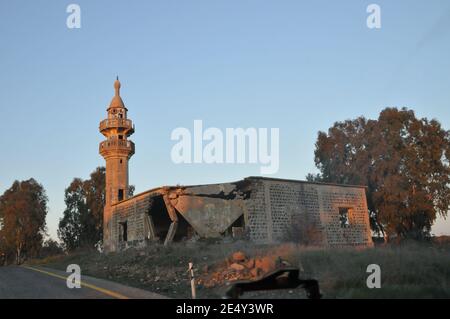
(239, 267)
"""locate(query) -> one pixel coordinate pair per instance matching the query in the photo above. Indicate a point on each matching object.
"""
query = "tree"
(3, 248)
(50, 248)
(403, 161)
(82, 222)
(95, 199)
(70, 229)
(23, 208)
(2, 241)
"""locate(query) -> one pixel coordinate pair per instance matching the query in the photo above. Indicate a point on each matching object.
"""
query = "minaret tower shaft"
(116, 150)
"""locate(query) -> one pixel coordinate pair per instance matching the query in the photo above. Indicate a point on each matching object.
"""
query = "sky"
(294, 65)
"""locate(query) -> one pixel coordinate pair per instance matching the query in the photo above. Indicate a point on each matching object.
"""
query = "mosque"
(258, 209)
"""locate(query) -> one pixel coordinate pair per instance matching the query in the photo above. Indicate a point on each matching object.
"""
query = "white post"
(191, 275)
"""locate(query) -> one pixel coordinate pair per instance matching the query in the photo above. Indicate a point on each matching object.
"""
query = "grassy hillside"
(408, 270)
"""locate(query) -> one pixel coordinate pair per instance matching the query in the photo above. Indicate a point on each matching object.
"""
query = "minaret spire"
(117, 86)
(116, 149)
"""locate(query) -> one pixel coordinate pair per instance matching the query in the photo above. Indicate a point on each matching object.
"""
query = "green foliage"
(313, 178)
(82, 223)
(404, 161)
(50, 248)
(23, 208)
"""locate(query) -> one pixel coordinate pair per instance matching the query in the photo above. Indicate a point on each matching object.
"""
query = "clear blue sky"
(295, 65)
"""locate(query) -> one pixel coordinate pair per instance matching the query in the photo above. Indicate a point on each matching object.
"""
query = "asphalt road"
(43, 283)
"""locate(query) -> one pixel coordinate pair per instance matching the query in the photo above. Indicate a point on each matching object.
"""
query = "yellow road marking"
(83, 284)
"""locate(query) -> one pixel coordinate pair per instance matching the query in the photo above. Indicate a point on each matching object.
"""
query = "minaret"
(116, 150)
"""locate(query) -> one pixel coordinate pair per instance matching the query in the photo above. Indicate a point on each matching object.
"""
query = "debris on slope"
(239, 267)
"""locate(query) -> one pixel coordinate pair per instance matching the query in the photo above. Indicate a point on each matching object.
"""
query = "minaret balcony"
(115, 146)
(124, 125)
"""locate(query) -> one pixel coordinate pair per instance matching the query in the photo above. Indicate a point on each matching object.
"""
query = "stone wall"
(133, 212)
(256, 220)
(274, 211)
(275, 206)
(331, 198)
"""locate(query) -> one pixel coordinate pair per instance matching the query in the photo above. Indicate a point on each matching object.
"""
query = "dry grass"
(409, 270)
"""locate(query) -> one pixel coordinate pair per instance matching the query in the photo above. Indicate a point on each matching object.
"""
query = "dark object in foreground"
(284, 278)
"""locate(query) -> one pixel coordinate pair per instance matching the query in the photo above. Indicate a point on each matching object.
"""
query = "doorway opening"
(123, 233)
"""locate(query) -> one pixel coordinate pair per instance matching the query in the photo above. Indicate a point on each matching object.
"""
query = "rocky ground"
(239, 267)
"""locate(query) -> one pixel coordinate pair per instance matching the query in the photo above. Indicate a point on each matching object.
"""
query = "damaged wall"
(132, 212)
(268, 208)
(210, 209)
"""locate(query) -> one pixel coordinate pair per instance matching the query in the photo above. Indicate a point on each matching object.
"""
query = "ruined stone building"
(262, 210)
